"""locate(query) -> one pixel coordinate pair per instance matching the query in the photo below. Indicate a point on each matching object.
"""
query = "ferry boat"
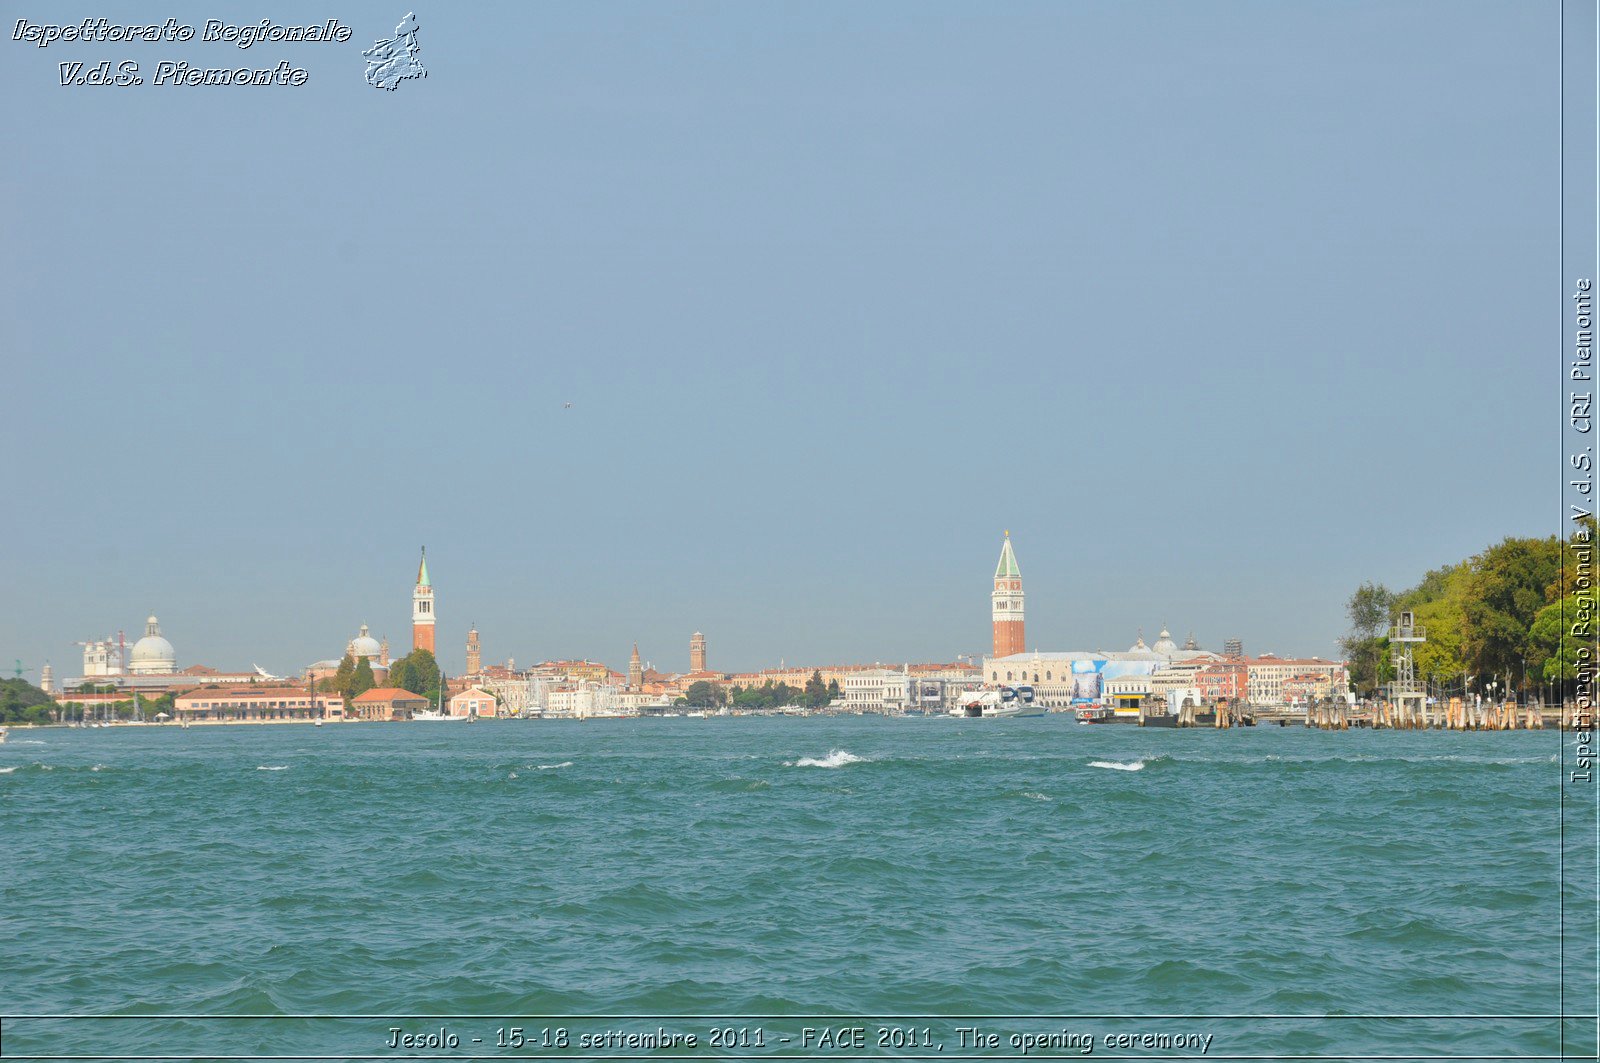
(1004, 702)
(1094, 714)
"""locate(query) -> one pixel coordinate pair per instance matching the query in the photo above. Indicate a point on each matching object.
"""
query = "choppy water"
(876, 868)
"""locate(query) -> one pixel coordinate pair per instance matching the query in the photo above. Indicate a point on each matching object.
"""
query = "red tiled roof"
(386, 694)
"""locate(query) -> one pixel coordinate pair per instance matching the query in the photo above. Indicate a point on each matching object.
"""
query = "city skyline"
(774, 343)
(1007, 637)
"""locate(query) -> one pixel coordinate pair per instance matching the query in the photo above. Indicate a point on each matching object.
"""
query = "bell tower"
(1006, 603)
(422, 616)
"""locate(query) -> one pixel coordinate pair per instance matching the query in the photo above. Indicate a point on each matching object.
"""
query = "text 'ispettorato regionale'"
(178, 72)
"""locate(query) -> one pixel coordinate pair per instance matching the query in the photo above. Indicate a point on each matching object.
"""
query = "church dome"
(152, 655)
(1164, 643)
(364, 645)
(1139, 647)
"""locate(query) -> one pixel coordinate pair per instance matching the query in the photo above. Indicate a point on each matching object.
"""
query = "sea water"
(1015, 878)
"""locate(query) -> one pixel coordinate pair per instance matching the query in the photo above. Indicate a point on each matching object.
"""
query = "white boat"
(437, 717)
(1002, 702)
(3, 734)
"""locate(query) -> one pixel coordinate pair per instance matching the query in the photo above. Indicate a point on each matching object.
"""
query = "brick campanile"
(1006, 603)
(422, 616)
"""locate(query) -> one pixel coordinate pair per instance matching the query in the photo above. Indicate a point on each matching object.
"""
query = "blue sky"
(1221, 308)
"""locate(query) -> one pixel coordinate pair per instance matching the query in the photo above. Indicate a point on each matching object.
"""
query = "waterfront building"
(1062, 679)
(474, 652)
(473, 701)
(152, 655)
(257, 703)
(1126, 693)
(587, 701)
(386, 703)
(422, 614)
(697, 652)
(874, 690)
(1224, 680)
(1006, 603)
(517, 695)
(1279, 681)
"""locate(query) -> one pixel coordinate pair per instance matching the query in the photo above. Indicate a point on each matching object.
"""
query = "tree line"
(1502, 620)
(769, 695)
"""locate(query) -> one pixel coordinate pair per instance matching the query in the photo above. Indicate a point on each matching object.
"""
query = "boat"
(1158, 719)
(437, 716)
(3, 733)
(1094, 714)
(318, 723)
(1002, 702)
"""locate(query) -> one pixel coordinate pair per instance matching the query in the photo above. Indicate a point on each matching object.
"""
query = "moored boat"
(1003, 702)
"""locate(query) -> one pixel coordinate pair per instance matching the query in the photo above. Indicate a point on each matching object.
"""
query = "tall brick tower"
(474, 652)
(635, 670)
(1007, 604)
(422, 616)
(697, 653)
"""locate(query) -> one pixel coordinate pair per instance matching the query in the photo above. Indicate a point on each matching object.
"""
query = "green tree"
(343, 677)
(704, 695)
(362, 681)
(1560, 637)
(403, 675)
(22, 702)
(1506, 592)
(816, 691)
(1364, 648)
(833, 690)
(1439, 604)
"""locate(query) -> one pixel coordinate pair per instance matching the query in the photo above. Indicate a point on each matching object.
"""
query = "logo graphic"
(393, 61)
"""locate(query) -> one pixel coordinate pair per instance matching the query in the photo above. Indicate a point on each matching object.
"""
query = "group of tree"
(353, 678)
(769, 695)
(417, 672)
(22, 702)
(1512, 616)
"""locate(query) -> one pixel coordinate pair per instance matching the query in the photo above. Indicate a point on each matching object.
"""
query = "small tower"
(474, 652)
(1409, 699)
(635, 670)
(1233, 647)
(383, 652)
(47, 679)
(1006, 603)
(422, 615)
(697, 653)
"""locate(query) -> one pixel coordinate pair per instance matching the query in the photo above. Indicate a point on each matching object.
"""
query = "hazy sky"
(1221, 308)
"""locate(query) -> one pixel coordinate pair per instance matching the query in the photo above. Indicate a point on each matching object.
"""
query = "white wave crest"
(552, 767)
(8, 771)
(513, 775)
(1032, 796)
(838, 758)
(98, 767)
(272, 767)
(29, 742)
(1117, 765)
